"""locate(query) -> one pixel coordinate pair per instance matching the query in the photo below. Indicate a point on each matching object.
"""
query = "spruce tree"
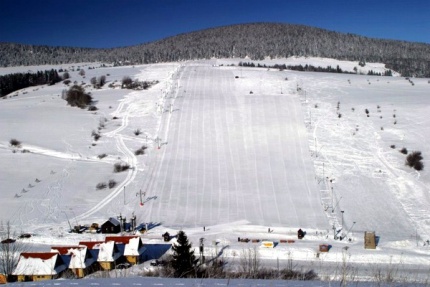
(184, 261)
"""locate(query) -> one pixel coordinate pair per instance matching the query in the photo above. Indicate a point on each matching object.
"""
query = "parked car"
(124, 265)
(158, 263)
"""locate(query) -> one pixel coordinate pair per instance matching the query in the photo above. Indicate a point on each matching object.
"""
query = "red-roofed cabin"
(132, 247)
(93, 249)
(81, 261)
(37, 266)
(107, 253)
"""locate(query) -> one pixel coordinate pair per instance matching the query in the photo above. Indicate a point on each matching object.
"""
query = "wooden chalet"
(38, 266)
(109, 255)
(131, 246)
(111, 226)
(81, 261)
(369, 240)
(3, 279)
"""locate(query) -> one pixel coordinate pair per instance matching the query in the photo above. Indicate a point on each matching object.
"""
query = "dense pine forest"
(257, 41)
(13, 82)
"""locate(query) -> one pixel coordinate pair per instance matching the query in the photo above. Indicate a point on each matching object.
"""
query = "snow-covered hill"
(231, 152)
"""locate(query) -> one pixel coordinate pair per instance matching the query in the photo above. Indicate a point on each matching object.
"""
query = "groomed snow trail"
(234, 156)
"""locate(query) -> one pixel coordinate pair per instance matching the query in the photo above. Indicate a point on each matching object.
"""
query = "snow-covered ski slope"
(241, 150)
(231, 155)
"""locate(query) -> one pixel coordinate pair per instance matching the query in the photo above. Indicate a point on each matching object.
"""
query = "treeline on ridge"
(311, 68)
(13, 82)
(255, 41)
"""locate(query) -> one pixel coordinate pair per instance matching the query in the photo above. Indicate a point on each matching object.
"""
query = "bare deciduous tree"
(10, 252)
(250, 262)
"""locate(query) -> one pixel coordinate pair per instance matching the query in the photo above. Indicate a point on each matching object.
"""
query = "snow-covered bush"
(404, 151)
(414, 160)
(119, 167)
(76, 97)
(15, 143)
(101, 185)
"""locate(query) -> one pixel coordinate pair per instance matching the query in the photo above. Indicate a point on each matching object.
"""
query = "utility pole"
(141, 199)
(68, 220)
(332, 200)
(202, 257)
(71, 209)
(316, 150)
(124, 195)
(350, 229)
(323, 172)
(342, 211)
(334, 232)
(416, 235)
(158, 141)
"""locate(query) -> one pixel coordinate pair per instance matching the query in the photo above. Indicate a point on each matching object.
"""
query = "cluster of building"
(82, 259)
(77, 261)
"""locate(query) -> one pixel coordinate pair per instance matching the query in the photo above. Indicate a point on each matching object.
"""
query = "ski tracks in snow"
(127, 106)
(122, 148)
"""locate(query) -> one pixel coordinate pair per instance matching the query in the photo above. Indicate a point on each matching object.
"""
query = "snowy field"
(237, 151)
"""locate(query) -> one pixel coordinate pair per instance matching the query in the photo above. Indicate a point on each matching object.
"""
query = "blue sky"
(114, 23)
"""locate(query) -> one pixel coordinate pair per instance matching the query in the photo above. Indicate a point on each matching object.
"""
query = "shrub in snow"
(119, 167)
(126, 82)
(76, 97)
(92, 108)
(404, 151)
(101, 185)
(93, 81)
(112, 183)
(103, 155)
(102, 122)
(15, 143)
(414, 160)
(101, 81)
(141, 150)
(95, 135)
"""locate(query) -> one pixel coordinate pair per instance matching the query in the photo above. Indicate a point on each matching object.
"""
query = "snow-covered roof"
(120, 239)
(79, 255)
(114, 221)
(91, 244)
(48, 263)
(108, 252)
(132, 244)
